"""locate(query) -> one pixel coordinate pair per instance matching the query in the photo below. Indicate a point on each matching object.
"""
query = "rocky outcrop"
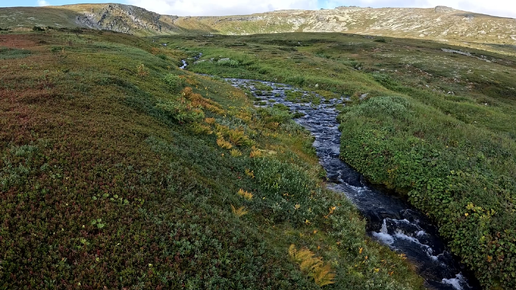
(440, 23)
(125, 19)
(444, 9)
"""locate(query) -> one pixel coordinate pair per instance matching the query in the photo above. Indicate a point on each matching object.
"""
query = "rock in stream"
(391, 220)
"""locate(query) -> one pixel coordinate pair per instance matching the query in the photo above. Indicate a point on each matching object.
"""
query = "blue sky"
(505, 8)
(324, 4)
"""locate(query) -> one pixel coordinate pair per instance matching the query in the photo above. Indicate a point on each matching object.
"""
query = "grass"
(9, 53)
(435, 126)
(111, 176)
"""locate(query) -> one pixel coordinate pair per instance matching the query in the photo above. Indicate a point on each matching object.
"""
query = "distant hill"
(440, 23)
(114, 17)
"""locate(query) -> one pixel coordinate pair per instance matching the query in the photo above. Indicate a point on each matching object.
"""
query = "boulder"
(443, 9)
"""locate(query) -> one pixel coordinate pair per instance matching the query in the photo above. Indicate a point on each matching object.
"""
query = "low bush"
(174, 82)
(228, 62)
(276, 114)
(458, 174)
(13, 53)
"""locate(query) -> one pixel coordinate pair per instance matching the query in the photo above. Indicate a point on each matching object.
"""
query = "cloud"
(218, 8)
(493, 7)
(43, 3)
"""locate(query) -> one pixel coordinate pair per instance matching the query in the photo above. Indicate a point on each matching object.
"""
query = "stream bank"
(391, 221)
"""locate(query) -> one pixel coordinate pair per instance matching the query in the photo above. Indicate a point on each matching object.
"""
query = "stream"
(391, 221)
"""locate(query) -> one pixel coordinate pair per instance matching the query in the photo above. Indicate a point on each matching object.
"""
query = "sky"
(505, 8)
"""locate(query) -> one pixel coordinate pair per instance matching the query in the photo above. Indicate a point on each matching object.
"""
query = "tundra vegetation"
(118, 169)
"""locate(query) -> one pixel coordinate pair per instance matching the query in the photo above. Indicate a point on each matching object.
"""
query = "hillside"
(441, 23)
(113, 17)
(120, 171)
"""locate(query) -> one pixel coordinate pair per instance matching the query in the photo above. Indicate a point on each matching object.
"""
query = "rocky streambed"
(391, 220)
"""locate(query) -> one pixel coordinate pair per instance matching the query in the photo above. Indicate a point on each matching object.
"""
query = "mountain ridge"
(441, 23)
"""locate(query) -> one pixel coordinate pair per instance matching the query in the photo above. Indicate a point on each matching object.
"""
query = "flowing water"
(391, 220)
(184, 64)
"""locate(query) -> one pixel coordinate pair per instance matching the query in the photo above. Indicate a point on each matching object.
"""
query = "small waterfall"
(185, 64)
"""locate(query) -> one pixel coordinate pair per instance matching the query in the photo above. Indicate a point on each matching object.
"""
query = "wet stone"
(390, 220)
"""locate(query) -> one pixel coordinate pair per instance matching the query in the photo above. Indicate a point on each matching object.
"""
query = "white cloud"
(502, 8)
(43, 3)
(220, 7)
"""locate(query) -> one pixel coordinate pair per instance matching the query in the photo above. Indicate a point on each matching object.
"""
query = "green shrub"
(286, 191)
(228, 62)
(174, 82)
(18, 164)
(180, 111)
(394, 107)
(278, 113)
(296, 80)
(162, 56)
(262, 87)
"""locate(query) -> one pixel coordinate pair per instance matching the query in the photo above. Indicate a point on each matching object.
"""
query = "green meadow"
(120, 171)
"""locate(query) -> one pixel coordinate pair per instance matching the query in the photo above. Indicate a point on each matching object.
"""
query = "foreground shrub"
(174, 82)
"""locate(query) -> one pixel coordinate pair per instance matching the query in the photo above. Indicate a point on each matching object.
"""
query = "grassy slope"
(112, 17)
(28, 17)
(111, 176)
(436, 126)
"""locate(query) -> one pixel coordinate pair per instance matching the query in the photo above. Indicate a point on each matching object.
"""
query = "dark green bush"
(278, 113)
(296, 80)
(174, 82)
(456, 173)
(286, 191)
